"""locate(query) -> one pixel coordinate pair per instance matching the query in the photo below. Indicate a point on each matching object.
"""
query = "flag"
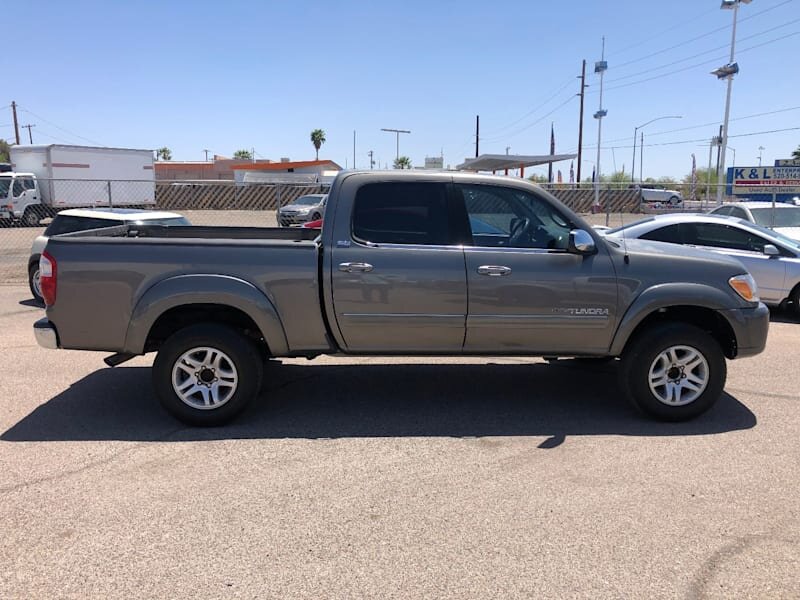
(559, 176)
(693, 193)
(552, 152)
(593, 174)
(571, 171)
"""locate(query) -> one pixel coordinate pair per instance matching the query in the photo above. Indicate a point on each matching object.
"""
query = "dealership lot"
(499, 477)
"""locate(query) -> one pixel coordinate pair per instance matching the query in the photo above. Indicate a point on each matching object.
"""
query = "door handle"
(494, 270)
(355, 267)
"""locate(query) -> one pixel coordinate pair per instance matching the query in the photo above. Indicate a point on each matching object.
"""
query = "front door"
(527, 293)
(399, 286)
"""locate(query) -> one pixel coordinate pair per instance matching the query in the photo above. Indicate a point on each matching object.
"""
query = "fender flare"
(224, 290)
(668, 295)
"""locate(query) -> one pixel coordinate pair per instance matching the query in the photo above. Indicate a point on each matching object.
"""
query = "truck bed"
(109, 274)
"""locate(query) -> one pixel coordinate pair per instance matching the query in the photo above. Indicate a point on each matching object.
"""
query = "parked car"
(785, 218)
(310, 207)
(771, 257)
(82, 219)
(659, 195)
(407, 263)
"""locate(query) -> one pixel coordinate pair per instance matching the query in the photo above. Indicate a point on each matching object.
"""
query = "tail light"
(48, 274)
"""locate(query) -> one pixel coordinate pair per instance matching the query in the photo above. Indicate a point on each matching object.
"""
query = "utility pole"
(580, 119)
(354, 148)
(30, 136)
(371, 162)
(760, 150)
(206, 151)
(397, 132)
(16, 123)
(719, 149)
(477, 133)
(600, 68)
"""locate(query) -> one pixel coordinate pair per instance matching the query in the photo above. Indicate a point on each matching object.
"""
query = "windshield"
(5, 184)
(784, 216)
(307, 201)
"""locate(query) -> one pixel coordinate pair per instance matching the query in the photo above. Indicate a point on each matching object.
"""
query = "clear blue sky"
(228, 75)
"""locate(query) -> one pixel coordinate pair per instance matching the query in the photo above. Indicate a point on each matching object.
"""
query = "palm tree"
(402, 162)
(164, 154)
(317, 138)
(796, 153)
(243, 155)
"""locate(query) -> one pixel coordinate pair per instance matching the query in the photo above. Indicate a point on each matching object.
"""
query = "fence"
(224, 203)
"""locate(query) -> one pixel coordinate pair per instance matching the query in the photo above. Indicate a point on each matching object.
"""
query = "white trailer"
(46, 179)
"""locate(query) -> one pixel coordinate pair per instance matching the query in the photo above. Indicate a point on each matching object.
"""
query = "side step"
(117, 359)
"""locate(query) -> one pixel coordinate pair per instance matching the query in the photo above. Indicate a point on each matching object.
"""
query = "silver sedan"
(772, 258)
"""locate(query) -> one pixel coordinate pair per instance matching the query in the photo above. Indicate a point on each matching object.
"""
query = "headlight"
(745, 286)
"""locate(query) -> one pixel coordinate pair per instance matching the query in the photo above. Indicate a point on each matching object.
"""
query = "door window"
(18, 189)
(28, 183)
(401, 213)
(722, 236)
(670, 233)
(513, 218)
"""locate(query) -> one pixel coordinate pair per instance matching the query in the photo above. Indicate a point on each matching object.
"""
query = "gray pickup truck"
(407, 263)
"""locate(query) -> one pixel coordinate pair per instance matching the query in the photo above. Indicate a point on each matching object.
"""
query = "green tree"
(164, 154)
(538, 178)
(317, 138)
(618, 180)
(243, 155)
(5, 151)
(796, 153)
(402, 162)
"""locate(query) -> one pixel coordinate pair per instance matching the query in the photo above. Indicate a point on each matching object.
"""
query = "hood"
(646, 252)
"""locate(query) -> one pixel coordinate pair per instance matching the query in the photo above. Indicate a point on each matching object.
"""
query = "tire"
(315, 217)
(228, 365)
(31, 217)
(673, 348)
(674, 201)
(33, 282)
(794, 301)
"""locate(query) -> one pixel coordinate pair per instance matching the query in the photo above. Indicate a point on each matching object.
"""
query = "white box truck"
(47, 179)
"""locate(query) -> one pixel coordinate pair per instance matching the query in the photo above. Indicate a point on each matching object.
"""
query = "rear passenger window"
(401, 213)
(670, 233)
(63, 224)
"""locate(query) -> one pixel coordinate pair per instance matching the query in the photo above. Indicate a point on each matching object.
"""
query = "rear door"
(527, 293)
(398, 281)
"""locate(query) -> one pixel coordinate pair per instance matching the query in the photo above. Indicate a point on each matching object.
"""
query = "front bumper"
(46, 334)
(289, 219)
(750, 326)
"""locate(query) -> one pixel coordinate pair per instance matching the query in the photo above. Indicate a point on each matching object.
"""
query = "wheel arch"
(186, 299)
(699, 305)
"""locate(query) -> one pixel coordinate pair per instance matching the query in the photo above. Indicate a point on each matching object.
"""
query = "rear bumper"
(750, 326)
(45, 333)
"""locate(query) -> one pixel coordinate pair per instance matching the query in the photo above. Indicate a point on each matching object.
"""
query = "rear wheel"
(673, 371)
(34, 283)
(674, 201)
(206, 374)
(31, 217)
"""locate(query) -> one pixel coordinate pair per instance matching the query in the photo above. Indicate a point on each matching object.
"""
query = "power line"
(705, 139)
(699, 37)
(662, 32)
(541, 105)
(540, 119)
(67, 131)
(696, 54)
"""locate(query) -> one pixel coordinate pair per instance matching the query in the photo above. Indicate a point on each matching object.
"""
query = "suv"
(82, 219)
(657, 195)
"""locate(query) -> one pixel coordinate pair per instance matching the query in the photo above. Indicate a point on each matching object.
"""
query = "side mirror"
(771, 250)
(580, 242)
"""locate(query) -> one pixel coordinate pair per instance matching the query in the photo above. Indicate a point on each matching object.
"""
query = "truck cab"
(18, 191)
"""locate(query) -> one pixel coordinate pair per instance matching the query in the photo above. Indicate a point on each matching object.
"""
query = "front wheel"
(31, 217)
(673, 371)
(674, 201)
(206, 374)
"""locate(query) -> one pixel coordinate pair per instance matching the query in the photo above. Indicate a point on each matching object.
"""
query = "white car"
(310, 207)
(659, 195)
(82, 219)
(771, 258)
(785, 220)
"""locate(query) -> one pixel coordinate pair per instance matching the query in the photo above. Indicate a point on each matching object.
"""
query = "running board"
(117, 359)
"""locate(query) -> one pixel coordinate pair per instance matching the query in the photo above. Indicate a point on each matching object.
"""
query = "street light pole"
(635, 130)
(727, 72)
(397, 132)
(600, 67)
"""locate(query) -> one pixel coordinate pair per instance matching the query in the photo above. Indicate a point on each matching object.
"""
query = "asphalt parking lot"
(394, 478)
